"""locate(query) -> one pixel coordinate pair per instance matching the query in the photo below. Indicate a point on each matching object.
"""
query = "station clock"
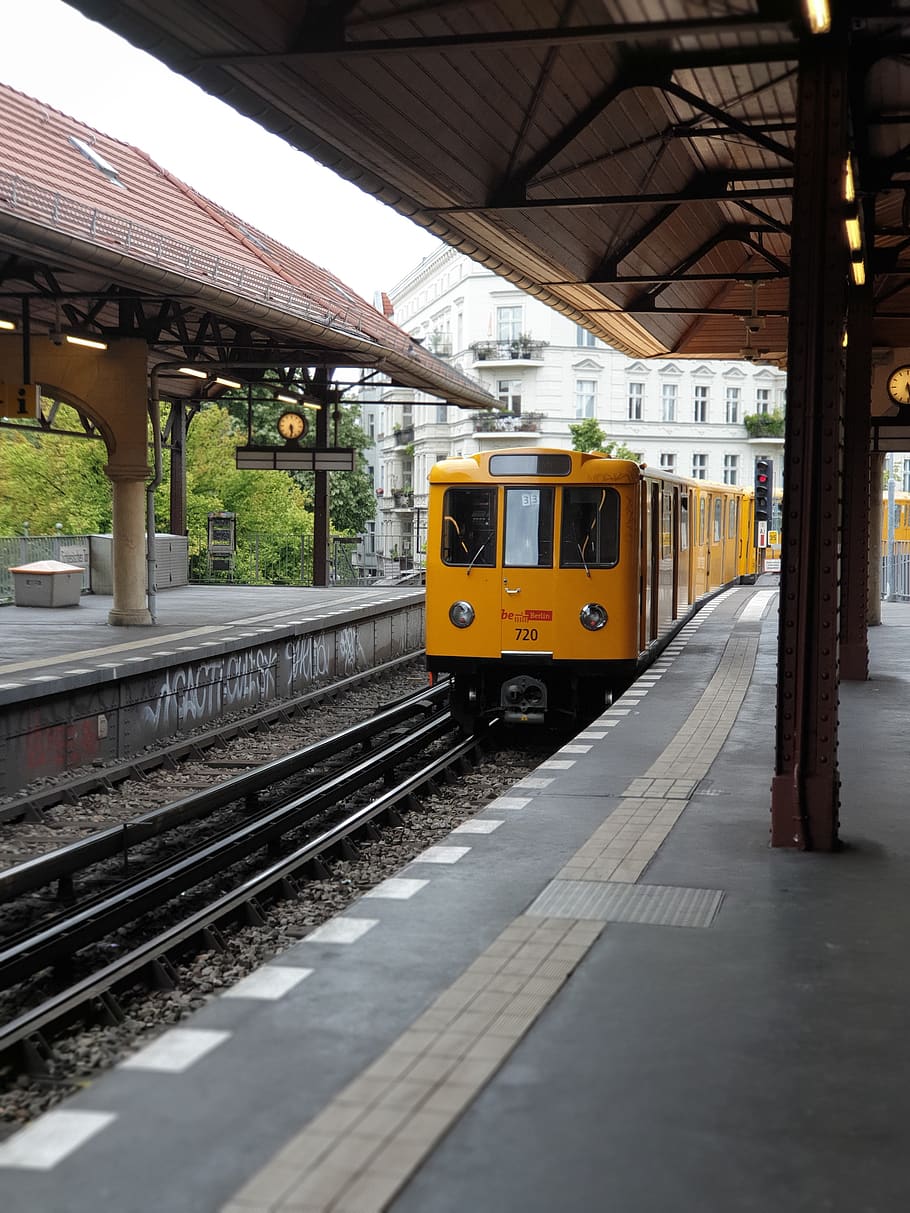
(291, 426)
(898, 385)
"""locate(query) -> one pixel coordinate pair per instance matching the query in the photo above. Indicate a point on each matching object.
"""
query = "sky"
(54, 54)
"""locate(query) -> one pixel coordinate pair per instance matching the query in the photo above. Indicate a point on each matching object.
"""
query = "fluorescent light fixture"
(90, 343)
(8, 326)
(818, 14)
(287, 399)
(227, 382)
(191, 370)
(308, 404)
(854, 234)
(849, 184)
(859, 271)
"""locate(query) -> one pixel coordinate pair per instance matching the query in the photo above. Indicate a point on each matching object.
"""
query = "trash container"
(47, 583)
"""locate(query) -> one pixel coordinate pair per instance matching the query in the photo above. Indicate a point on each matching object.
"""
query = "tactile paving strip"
(610, 901)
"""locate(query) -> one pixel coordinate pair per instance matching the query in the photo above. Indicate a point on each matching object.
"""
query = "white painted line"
(590, 735)
(478, 825)
(619, 711)
(441, 855)
(756, 607)
(11, 686)
(533, 783)
(397, 888)
(269, 982)
(341, 930)
(50, 1138)
(45, 678)
(574, 749)
(175, 1051)
(510, 802)
(85, 671)
(609, 724)
(556, 764)
(632, 693)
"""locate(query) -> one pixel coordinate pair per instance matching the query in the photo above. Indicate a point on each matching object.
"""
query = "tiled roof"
(70, 178)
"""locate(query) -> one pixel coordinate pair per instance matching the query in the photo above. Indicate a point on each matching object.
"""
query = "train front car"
(533, 582)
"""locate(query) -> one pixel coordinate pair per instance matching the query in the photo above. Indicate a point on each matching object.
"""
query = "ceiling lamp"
(90, 343)
(227, 382)
(191, 370)
(818, 14)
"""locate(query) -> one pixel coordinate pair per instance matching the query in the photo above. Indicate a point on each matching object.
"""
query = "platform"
(73, 689)
(605, 992)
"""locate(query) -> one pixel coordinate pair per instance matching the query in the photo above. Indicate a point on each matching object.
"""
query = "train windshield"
(529, 528)
(590, 528)
(469, 527)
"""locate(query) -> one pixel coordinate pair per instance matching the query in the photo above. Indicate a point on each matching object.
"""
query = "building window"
(584, 338)
(905, 476)
(668, 394)
(508, 323)
(442, 413)
(731, 412)
(635, 397)
(585, 397)
(371, 427)
(700, 410)
(508, 392)
(668, 464)
(731, 469)
(763, 400)
(699, 467)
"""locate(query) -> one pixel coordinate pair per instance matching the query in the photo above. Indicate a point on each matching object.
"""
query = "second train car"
(553, 576)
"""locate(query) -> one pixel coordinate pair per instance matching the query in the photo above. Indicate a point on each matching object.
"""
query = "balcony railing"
(507, 423)
(403, 436)
(521, 349)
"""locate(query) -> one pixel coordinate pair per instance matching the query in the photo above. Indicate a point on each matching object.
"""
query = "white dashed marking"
(397, 888)
(50, 1138)
(175, 1051)
(341, 930)
(269, 982)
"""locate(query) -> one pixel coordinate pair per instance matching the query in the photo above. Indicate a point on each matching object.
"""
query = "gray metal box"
(47, 583)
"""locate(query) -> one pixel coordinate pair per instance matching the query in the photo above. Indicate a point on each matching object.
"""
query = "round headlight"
(593, 616)
(461, 614)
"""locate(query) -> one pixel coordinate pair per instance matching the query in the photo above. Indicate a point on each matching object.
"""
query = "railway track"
(261, 857)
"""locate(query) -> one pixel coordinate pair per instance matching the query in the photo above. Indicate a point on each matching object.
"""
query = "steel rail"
(64, 937)
(116, 840)
(31, 1030)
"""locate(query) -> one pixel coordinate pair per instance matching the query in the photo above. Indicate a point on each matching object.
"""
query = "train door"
(527, 614)
(644, 605)
(700, 554)
(716, 541)
(682, 553)
(666, 595)
(730, 541)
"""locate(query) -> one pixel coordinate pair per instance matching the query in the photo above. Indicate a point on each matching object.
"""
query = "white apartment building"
(680, 415)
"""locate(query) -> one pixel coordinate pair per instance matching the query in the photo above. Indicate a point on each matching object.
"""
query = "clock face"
(291, 425)
(899, 385)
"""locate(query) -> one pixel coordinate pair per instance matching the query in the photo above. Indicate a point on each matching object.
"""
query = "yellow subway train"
(553, 577)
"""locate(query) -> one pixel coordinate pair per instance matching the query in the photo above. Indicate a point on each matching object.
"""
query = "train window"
(666, 527)
(718, 520)
(702, 515)
(590, 528)
(469, 527)
(530, 465)
(683, 523)
(732, 516)
(529, 527)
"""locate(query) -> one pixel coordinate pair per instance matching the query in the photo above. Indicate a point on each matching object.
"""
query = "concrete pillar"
(129, 556)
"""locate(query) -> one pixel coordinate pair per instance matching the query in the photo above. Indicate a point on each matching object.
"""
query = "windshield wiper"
(581, 553)
(475, 558)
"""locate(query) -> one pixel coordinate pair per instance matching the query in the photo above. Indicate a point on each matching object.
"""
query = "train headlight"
(593, 616)
(461, 614)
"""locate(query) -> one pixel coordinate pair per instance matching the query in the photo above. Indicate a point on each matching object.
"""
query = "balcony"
(404, 436)
(498, 353)
(507, 423)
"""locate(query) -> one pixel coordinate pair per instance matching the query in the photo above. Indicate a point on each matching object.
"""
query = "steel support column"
(321, 503)
(854, 603)
(177, 519)
(805, 789)
(876, 520)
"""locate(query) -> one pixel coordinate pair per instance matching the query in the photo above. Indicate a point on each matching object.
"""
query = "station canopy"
(630, 162)
(99, 242)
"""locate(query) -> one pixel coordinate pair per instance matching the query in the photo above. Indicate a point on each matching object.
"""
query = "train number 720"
(526, 633)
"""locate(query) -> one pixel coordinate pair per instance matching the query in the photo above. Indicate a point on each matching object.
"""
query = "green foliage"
(765, 425)
(263, 501)
(47, 479)
(587, 436)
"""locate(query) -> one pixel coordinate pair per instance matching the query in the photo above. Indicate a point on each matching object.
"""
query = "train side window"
(589, 536)
(702, 517)
(666, 527)
(529, 527)
(732, 518)
(469, 527)
(718, 520)
(683, 523)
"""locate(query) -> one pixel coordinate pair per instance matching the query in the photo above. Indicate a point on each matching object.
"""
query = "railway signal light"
(764, 484)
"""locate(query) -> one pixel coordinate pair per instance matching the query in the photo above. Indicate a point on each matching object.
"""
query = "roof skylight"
(98, 160)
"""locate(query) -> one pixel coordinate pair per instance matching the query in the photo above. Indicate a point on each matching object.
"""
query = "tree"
(46, 479)
(588, 437)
